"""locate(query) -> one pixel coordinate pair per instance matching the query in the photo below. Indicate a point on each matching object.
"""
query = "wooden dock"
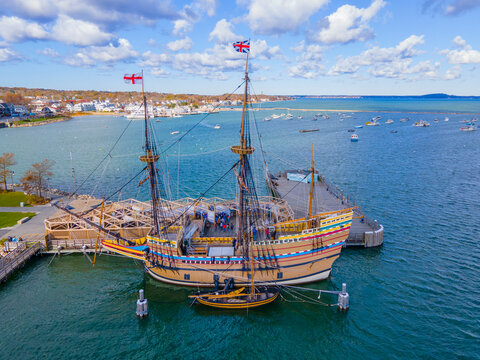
(326, 197)
(17, 258)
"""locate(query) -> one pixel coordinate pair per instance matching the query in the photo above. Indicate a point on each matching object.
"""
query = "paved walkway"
(33, 226)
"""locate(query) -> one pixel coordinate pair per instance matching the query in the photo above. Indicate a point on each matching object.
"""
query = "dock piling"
(343, 299)
(142, 305)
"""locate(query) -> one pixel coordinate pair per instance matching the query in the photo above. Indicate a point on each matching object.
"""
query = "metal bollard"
(142, 305)
(343, 299)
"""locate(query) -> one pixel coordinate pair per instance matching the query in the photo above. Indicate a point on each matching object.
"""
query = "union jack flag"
(242, 46)
(133, 78)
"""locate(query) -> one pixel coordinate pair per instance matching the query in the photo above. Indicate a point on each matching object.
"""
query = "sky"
(303, 47)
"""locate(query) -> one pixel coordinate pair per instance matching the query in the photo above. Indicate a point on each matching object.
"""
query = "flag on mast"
(242, 46)
(133, 78)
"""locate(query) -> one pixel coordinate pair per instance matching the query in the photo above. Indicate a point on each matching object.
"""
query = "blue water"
(417, 296)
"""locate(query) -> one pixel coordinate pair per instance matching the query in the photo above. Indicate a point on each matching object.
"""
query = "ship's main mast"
(243, 150)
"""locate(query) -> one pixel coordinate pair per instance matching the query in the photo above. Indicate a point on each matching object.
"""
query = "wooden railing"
(16, 258)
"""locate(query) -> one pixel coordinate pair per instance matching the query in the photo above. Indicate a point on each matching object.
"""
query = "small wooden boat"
(237, 299)
(307, 130)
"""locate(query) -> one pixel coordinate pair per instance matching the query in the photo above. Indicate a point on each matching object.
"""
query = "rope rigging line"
(202, 195)
(199, 122)
(106, 156)
(114, 193)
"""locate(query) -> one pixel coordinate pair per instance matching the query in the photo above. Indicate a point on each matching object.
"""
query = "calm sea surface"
(418, 296)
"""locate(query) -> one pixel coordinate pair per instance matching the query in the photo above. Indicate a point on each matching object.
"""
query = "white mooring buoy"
(142, 305)
(343, 299)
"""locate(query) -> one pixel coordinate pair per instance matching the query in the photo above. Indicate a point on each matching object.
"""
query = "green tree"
(6, 160)
(35, 178)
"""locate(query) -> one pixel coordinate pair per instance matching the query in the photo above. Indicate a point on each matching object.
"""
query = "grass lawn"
(12, 198)
(8, 219)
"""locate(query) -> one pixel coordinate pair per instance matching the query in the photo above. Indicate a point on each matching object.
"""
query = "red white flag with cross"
(133, 78)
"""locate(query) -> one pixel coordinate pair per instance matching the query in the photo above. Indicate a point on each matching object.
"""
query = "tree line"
(34, 179)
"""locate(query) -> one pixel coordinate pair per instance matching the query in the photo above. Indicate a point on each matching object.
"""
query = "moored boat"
(421, 123)
(468, 128)
(354, 138)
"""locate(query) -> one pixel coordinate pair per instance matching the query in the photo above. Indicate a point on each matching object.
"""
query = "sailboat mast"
(312, 169)
(150, 158)
(243, 145)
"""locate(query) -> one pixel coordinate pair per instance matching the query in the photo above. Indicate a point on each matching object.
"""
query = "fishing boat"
(421, 123)
(202, 242)
(354, 138)
(217, 126)
(372, 123)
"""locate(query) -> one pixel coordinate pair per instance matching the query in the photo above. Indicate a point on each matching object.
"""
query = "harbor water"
(417, 296)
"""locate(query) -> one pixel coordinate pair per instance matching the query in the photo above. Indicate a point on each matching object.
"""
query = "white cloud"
(223, 32)
(159, 72)
(78, 32)
(348, 24)
(464, 55)
(183, 44)
(260, 50)
(452, 8)
(191, 13)
(308, 63)
(279, 16)
(212, 63)
(97, 11)
(122, 51)
(49, 52)
(9, 55)
(395, 62)
(453, 73)
(154, 60)
(14, 29)
(460, 6)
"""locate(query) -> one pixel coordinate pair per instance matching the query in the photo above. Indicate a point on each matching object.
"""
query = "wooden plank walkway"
(17, 258)
(327, 197)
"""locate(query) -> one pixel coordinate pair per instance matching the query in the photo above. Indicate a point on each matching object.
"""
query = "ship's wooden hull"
(288, 260)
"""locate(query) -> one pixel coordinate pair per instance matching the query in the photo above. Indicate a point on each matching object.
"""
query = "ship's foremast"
(150, 158)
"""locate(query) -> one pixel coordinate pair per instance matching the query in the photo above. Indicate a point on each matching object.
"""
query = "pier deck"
(327, 197)
(17, 258)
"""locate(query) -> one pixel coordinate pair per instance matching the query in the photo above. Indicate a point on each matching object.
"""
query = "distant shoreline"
(40, 123)
(364, 111)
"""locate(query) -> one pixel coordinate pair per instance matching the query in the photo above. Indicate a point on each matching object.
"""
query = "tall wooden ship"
(206, 243)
